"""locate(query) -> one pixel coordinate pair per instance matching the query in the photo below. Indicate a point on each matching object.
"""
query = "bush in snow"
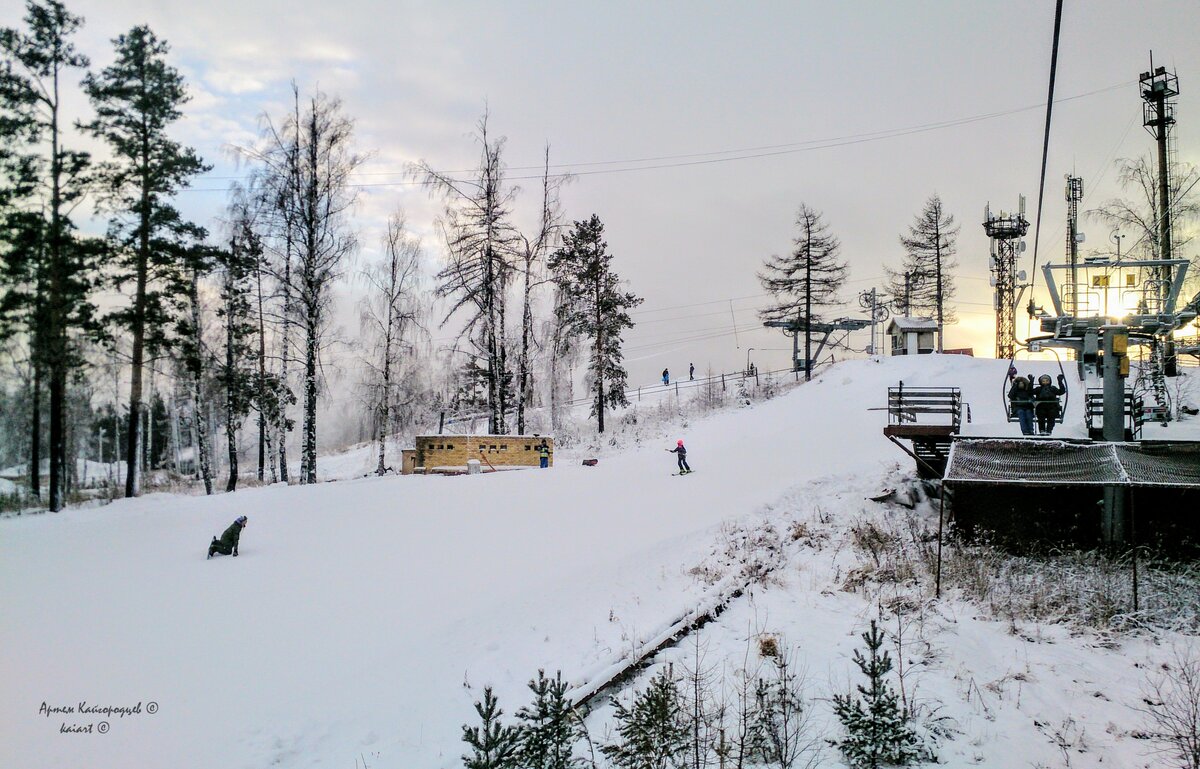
(549, 727)
(1172, 707)
(493, 745)
(653, 731)
(877, 732)
(782, 734)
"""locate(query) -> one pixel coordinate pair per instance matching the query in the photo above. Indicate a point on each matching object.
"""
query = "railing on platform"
(940, 406)
(1134, 413)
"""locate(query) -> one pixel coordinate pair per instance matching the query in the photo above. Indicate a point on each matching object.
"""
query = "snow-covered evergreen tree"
(493, 745)
(548, 726)
(877, 732)
(594, 308)
(653, 732)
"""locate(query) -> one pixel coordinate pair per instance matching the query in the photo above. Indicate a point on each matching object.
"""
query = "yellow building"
(453, 451)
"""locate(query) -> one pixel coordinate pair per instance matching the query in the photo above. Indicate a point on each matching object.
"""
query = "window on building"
(450, 446)
(504, 447)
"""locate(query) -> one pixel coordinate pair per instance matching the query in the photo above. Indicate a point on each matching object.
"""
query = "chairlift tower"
(1006, 231)
(1159, 89)
(1074, 238)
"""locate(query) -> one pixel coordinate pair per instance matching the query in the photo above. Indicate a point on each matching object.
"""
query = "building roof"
(992, 461)
(913, 324)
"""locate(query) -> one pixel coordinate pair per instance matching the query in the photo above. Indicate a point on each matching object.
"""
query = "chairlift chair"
(1034, 345)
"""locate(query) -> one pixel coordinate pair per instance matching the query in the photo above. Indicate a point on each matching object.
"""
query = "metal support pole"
(1116, 345)
(941, 518)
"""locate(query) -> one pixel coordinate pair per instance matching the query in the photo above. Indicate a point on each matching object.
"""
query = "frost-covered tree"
(929, 250)
(877, 732)
(305, 174)
(594, 308)
(653, 732)
(49, 182)
(136, 99)
(481, 248)
(549, 727)
(392, 311)
(805, 282)
(493, 745)
(193, 356)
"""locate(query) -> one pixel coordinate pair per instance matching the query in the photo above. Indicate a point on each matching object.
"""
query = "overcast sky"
(697, 129)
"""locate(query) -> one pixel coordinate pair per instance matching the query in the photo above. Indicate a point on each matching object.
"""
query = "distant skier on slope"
(228, 543)
(666, 377)
(684, 469)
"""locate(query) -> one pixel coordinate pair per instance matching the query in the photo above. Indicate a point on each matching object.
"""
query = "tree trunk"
(262, 375)
(523, 362)
(231, 397)
(199, 413)
(35, 436)
(310, 400)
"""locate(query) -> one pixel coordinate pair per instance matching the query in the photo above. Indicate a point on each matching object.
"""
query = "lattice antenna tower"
(1006, 231)
(1074, 238)
(1159, 89)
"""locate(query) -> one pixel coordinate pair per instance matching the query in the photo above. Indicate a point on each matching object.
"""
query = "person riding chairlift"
(1020, 396)
(1046, 403)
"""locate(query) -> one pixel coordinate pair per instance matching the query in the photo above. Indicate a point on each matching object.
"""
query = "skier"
(543, 454)
(1020, 396)
(666, 378)
(1046, 405)
(228, 543)
(684, 469)
(691, 371)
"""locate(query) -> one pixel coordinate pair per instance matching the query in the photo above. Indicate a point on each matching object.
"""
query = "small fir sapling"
(493, 745)
(877, 732)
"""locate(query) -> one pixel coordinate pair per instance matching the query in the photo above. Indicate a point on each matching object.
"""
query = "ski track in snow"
(363, 617)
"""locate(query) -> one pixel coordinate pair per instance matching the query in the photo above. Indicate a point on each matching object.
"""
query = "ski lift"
(1034, 345)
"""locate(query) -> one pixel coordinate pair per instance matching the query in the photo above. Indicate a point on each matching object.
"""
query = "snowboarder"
(543, 454)
(691, 371)
(684, 469)
(666, 378)
(1046, 404)
(1020, 397)
(228, 543)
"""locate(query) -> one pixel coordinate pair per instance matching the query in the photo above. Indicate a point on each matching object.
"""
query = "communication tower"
(1074, 238)
(1006, 231)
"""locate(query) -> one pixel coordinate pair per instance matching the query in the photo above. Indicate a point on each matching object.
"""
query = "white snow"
(363, 617)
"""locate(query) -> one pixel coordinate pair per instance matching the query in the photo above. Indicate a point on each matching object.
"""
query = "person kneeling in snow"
(228, 543)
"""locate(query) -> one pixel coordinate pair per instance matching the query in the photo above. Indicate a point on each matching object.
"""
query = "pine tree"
(805, 281)
(549, 727)
(136, 99)
(493, 745)
(595, 309)
(653, 731)
(236, 375)
(929, 249)
(481, 245)
(50, 180)
(877, 732)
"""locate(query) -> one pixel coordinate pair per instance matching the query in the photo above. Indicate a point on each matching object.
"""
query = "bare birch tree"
(391, 311)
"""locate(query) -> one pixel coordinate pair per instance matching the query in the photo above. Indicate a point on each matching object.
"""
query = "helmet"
(1045, 379)
(679, 442)
(241, 519)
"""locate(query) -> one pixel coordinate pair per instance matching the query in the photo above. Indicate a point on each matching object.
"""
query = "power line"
(666, 161)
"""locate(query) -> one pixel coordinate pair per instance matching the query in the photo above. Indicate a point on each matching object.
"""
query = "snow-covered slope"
(363, 617)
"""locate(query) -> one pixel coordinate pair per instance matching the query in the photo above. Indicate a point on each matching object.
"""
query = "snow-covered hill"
(363, 617)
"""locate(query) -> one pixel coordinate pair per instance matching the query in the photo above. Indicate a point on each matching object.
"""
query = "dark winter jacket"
(544, 451)
(680, 450)
(1047, 393)
(232, 535)
(1020, 395)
